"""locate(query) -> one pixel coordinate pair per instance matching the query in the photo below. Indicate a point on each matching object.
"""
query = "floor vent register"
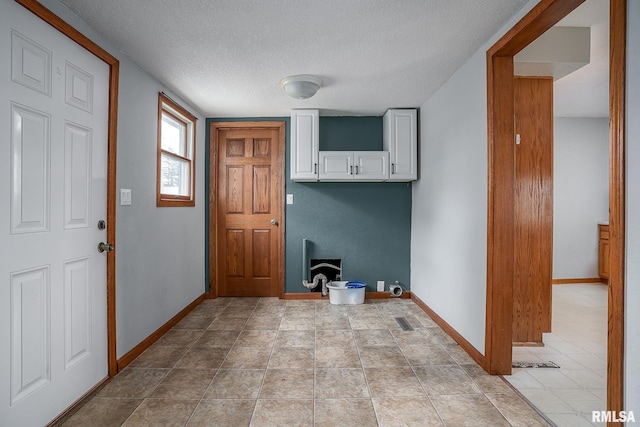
(404, 324)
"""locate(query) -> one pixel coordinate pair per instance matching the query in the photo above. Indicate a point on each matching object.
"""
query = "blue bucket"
(356, 285)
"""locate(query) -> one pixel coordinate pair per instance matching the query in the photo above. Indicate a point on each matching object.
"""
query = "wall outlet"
(380, 285)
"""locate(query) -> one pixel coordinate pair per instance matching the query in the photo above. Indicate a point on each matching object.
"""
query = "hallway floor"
(578, 344)
(271, 362)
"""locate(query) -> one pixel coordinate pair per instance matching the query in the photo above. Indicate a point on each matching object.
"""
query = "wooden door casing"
(246, 231)
(500, 227)
(533, 208)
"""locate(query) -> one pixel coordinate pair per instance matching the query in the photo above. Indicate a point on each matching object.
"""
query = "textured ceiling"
(227, 57)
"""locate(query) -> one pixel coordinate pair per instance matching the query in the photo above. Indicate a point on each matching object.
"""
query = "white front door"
(53, 178)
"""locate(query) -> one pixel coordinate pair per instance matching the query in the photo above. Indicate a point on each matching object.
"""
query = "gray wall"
(632, 298)
(159, 251)
(449, 228)
(367, 225)
(580, 194)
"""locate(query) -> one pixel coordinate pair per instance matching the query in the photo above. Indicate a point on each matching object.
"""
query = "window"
(176, 154)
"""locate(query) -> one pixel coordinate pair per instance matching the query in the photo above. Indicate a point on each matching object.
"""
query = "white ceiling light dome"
(301, 86)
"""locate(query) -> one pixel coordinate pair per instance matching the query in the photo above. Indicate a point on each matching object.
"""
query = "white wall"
(632, 299)
(449, 214)
(580, 194)
(159, 251)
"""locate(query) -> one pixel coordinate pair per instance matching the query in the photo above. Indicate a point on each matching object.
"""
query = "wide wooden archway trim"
(114, 69)
(501, 179)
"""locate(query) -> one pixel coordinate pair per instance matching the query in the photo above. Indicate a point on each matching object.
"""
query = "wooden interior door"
(533, 209)
(249, 229)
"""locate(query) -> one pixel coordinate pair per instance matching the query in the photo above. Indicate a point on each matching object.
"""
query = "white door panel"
(53, 321)
(77, 310)
(77, 174)
(30, 331)
(30, 158)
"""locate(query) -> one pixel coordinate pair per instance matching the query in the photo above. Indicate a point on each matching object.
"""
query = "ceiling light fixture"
(301, 86)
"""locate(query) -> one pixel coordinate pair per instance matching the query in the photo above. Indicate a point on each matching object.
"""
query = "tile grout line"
(380, 311)
(167, 374)
(255, 406)
(195, 409)
(579, 298)
(428, 396)
(364, 373)
(435, 408)
(375, 412)
(315, 361)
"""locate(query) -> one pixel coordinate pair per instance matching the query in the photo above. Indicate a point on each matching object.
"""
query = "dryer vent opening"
(325, 269)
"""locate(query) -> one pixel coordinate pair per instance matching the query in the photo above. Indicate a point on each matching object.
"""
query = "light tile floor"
(578, 344)
(270, 362)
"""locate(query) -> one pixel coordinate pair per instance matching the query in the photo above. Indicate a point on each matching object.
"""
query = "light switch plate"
(289, 199)
(125, 197)
(380, 285)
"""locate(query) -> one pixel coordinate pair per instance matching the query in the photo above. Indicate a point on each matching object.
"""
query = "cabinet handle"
(356, 169)
(393, 168)
(315, 168)
(350, 170)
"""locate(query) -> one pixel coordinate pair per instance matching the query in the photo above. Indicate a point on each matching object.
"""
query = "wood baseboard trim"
(318, 295)
(146, 343)
(303, 295)
(67, 413)
(578, 280)
(528, 344)
(462, 342)
(386, 295)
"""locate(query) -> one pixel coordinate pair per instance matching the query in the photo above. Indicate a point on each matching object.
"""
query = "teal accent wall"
(367, 225)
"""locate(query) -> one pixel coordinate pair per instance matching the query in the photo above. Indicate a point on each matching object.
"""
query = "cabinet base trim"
(579, 280)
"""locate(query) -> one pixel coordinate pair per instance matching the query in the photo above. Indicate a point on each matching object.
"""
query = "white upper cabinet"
(371, 165)
(336, 165)
(304, 145)
(400, 139)
(354, 166)
(397, 162)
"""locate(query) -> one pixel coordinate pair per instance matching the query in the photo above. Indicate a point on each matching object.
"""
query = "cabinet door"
(400, 139)
(371, 165)
(304, 145)
(336, 166)
(603, 259)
